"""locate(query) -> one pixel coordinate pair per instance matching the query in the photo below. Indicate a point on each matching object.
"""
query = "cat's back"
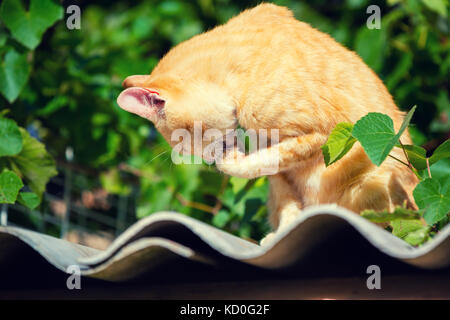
(265, 54)
(263, 29)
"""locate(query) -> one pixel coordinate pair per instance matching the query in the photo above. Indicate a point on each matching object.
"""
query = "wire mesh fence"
(75, 207)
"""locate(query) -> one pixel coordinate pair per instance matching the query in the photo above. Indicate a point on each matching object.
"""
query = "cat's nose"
(135, 81)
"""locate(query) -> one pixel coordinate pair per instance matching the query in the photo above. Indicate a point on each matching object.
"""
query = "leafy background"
(61, 85)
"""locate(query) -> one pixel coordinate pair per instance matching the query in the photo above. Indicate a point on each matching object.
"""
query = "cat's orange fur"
(265, 69)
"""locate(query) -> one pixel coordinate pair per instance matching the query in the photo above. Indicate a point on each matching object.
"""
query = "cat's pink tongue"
(140, 101)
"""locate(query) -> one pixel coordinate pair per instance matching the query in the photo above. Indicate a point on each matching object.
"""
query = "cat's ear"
(144, 102)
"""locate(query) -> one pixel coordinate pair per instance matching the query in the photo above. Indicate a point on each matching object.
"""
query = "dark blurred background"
(114, 168)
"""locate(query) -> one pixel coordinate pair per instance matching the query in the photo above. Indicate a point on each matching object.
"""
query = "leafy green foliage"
(22, 158)
(405, 224)
(376, 134)
(34, 164)
(418, 155)
(27, 27)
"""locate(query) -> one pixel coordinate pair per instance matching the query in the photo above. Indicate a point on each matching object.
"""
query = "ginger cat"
(262, 70)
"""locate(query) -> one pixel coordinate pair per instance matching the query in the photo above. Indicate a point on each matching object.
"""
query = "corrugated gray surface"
(165, 239)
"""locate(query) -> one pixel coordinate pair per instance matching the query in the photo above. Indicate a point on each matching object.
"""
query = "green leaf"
(418, 155)
(14, 71)
(442, 152)
(339, 143)
(29, 199)
(10, 138)
(27, 27)
(406, 122)
(386, 216)
(34, 163)
(10, 184)
(376, 134)
(429, 195)
(440, 171)
(418, 237)
(412, 231)
(438, 6)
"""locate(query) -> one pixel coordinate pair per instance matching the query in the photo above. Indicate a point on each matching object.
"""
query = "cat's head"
(178, 107)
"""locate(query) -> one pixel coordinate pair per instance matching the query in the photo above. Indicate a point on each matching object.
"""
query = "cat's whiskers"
(157, 156)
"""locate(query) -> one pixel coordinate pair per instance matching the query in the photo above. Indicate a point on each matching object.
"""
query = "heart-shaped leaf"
(429, 195)
(339, 143)
(14, 71)
(27, 27)
(376, 134)
(10, 138)
(10, 184)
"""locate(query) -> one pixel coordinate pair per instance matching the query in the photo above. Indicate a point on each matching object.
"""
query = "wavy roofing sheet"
(164, 238)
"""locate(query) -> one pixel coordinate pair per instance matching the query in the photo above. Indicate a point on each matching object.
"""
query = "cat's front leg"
(272, 160)
(288, 215)
(284, 205)
(237, 164)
